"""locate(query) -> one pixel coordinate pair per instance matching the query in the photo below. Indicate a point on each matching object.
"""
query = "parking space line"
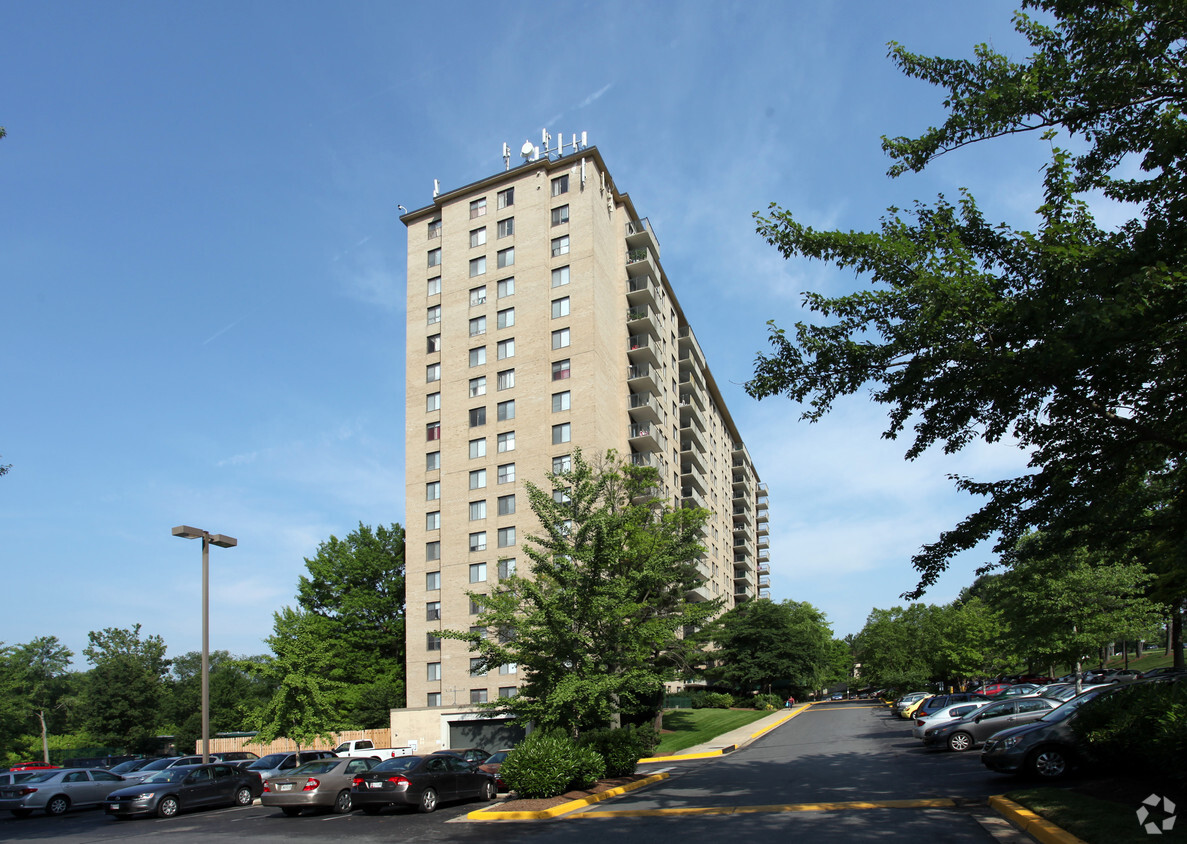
(925, 803)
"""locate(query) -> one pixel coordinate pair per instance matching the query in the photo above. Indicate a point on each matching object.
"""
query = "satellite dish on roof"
(526, 150)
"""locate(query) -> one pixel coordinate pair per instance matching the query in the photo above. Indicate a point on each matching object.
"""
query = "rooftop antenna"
(436, 188)
(526, 150)
(506, 156)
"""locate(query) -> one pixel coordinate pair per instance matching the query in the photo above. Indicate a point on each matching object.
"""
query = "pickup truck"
(366, 749)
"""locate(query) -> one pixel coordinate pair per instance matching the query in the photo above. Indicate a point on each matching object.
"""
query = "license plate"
(375, 784)
(285, 786)
(113, 805)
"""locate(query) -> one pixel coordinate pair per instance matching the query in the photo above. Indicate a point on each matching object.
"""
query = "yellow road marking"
(927, 803)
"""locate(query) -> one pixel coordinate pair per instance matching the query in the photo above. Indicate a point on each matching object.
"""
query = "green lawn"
(690, 727)
(1088, 818)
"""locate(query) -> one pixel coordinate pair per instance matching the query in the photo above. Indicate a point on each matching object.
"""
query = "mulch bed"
(516, 804)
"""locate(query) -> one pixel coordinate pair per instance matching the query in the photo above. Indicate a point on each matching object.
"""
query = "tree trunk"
(1176, 635)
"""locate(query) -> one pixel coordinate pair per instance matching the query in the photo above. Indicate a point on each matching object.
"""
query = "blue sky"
(203, 270)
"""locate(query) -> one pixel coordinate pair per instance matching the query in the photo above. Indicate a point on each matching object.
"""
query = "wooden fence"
(381, 738)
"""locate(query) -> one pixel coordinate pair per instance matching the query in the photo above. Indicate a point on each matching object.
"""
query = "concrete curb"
(1040, 829)
(564, 808)
(729, 748)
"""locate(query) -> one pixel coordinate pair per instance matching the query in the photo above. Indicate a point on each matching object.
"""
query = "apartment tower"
(540, 320)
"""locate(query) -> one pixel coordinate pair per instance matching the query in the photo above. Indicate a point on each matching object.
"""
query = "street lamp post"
(208, 539)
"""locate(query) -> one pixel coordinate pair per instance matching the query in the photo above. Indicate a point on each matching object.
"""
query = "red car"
(492, 766)
(991, 689)
(32, 766)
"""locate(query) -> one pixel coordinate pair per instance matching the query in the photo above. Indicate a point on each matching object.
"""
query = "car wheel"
(960, 742)
(428, 800)
(243, 796)
(371, 810)
(168, 806)
(58, 805)
(489, 792)
(291, 811)
(1048, 763)
(342, 802)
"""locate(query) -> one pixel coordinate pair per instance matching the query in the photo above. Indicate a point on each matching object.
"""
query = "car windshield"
(272, 760)
(125, 767)
(170, 775)
(1066, 710)
(399, 763)
(497, 757)
(318, 766)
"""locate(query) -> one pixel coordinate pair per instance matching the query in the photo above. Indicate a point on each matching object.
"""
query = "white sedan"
(947, 713)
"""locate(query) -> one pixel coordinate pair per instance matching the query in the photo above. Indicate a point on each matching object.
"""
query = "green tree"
(124, 690)
(303, 705)
(1069, 339)
(41, 667)
(972, 641)
(356, 585)
(234, 694)
(598, 625)
(762, 645)
(896, 647)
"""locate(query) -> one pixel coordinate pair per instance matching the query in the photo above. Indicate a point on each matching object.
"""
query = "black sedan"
(421, 781)
(185, 787)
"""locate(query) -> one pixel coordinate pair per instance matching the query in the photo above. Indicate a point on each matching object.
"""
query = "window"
(433, 520)
(561, 433)
(433, 611)
(478, 479)
(433, 581)
(478, 386)
(507, 441)
(475, 606)
(432, 642)
(506, 537)
(434, 672)
(560, 215)
(507, 227)
(479, 629)
(432, 373)
(477, 695)
(560, 246)
(506, 318)
(560, 496)
(560, 401)
(477, 208)
(477, 448)
(432, 490)
(506, 348)
(507, 473)
(476, 670)
(560, 370)
(506, 287)
(506, 197)
(433, 344)
(560, 185)
(504, 692)
(506, 410)
(478, 572)
(506, 379)
(506, 257)
(506, 505)
(509, 668)
(432, 402)
(477, 296)
(478, 237)
(477, 510)
(478, 356)
(562, 464)
(434, 229)
(434, 315)
(434, 287)
(560, 276)
(477, 417)
(478, 541)
(560, 338)
(477, 326)
(507, 566)
(432, 461)
(560, 307)
(433, 699)
(435, 257)
(477, 266)
(432, 432)
(432, 551)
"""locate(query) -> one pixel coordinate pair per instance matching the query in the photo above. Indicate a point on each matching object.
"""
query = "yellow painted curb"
(1037, 827)
(925, 803)
(564, 808)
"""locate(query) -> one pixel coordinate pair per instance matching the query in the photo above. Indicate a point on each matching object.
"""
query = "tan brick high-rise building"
(540, 320)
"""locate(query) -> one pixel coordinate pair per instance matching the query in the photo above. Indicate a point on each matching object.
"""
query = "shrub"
(712, 700)
(549, 764)
(1138, 728)
(623, 748)
(766, 702)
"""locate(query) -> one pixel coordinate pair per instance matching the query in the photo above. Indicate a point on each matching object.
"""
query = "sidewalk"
(734, 739)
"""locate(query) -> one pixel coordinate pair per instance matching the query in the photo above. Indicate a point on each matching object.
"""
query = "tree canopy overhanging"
(1068, 340)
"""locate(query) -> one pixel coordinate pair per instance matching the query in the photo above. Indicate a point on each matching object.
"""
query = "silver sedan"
(58, 791)
(321, 784)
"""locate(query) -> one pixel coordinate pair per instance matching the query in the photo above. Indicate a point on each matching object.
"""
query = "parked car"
(952, 712)
(906, 700)
(57, 792)
(938, 702)
(1046, 748)
(236, 756)
(493, 765)
(971, 730)
(32, 766)
(421, 781)
(1161, 672)
(320, 784)
(990, 689)
(1125, 675)
(131, 766)
(164, 763)
(282, 764)
(1016, 690)
(9, 777)
(185, 787)
(471, 754)
(910, 710)
(365, 748)
(1069, 691)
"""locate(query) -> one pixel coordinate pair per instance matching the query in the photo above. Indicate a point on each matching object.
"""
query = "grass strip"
(1088, 818)
(690, 727)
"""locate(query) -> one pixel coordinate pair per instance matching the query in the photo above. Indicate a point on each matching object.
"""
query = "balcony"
(690, 497)
(764, 582)
(695, 397)
(691, 414)
(641, 348)
(690, 349)
(645, 407)
(692, 436)
(647, 458)
(741, 574)
(763, 494)
(691, 378)
(699, 594)
(643, 378)
(764, 556)
(690, 456)
(742, 480)
(640, 235)
(764, 568)
(764, 529)
(763, 542)
(644, 437)
(642, 319)
(743, 593)
(641, 290)
(640, 262)
(741, 515)
(690, 476)
(764, 594)
(763, 515)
